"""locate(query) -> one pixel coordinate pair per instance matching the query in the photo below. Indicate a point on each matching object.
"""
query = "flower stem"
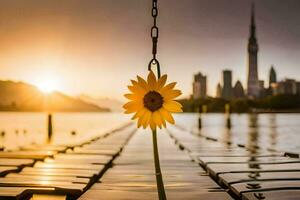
(159, 179)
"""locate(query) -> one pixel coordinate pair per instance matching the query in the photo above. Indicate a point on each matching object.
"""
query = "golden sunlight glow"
(48, 86)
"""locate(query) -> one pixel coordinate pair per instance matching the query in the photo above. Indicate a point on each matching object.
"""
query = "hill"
(19, 96)
(113, 104)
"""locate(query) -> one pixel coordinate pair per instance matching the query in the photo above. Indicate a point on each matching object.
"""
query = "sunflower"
(152, 101)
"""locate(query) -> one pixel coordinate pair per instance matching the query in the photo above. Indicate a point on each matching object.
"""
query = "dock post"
(202, 109)
(199, 122)
(50, 128)
(228, 122)
(199, 119)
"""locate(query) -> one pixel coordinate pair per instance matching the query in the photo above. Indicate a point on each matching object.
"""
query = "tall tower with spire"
(253, 82)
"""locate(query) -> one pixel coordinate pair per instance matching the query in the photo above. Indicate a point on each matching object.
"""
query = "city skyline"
(255, 87)
(82, 50)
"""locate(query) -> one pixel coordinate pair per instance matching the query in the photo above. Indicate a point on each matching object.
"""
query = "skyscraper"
(227, 84)
(199, 86)
(288, 86)
(219, 91)
(272, 76)
(238, 90)
(262, 91)
(253, 83)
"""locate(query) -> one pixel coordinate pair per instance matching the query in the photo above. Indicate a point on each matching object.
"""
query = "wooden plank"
(183, 179)
(133, 192)
(68, 186)
(37, 155)
(260, 186)
(249, 159)
(48, 197)
(231, 178)
(216, 169)
(82, 150)
(6, 169)
(68, 166)
(236, 153)
(102, 147)
(15, 162)
(45, 147)
(60, 172)
(17, 193)
(128, 179)
(48, 178)
(273, 195)
(81, 158)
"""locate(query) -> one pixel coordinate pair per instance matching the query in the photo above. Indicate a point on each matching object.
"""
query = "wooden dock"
(119, 165)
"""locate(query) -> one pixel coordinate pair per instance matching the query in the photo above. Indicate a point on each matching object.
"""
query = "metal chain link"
(154, 61)
(154, 36)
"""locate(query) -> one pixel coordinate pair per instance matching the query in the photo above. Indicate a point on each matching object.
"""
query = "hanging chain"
(154, 61)
(154, 36)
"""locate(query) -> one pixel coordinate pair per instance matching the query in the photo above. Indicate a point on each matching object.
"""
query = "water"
(23, 129)
(276, 131)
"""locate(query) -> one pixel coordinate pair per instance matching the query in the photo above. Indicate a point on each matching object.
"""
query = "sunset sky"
(95, 46)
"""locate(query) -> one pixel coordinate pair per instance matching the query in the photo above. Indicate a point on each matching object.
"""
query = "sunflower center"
(153, 101)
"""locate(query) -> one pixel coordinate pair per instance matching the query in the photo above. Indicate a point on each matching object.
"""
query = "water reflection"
(227, 136)
(253, 163)
(253, 143)
(253, 135)
(228, 120)
(273, 131)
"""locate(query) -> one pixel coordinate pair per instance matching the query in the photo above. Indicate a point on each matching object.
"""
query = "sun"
(47, 86)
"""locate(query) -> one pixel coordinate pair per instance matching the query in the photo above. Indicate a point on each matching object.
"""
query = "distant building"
(298, 87)
(199, 86)
(272, 76)
(227, 84)
(272, 82)
(219, 91)
(262, 90)
(274, 90)
(238, 90)
(288, 86)
(253, 83)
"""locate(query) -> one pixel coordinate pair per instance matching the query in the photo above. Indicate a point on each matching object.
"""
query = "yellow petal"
(171, 94)
(143, 83)
(139, 113)
(136, 89)
(139, 124)
(144, 119)
(161, 82)
(147, 117)
(157, 118)
(170, 86)
(172, 106)
(151, 80)
(152, 124)
(166, 115)
(129, 111)
(134, 82)
(163, 122)
(133, 96)
(133, 106)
